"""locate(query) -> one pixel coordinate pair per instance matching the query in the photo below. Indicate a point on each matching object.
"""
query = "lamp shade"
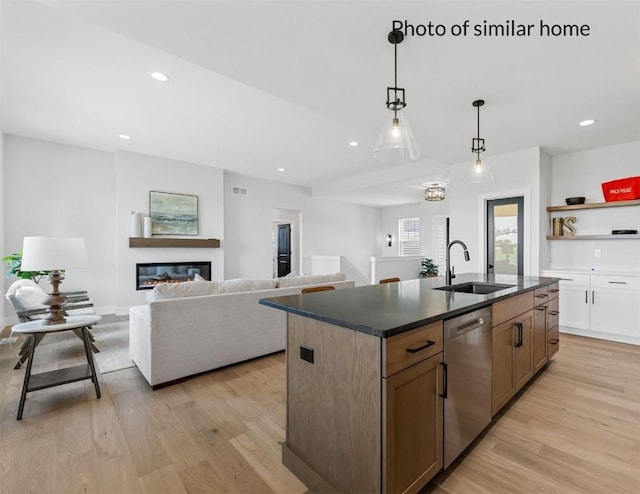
(396, 143)
(50, 253)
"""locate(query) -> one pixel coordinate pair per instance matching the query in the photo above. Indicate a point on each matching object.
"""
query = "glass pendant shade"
(396, 143)
(479, 172)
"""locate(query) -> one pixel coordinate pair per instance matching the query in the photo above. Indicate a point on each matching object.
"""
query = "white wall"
(136, 175)
(581, 174)
(516, 174)
(59, 190)
(328, 227)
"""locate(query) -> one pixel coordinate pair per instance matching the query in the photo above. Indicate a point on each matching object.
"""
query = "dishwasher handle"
(470, 326)
(446, 380)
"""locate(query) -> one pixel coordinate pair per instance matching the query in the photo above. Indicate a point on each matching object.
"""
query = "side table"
(36, 329)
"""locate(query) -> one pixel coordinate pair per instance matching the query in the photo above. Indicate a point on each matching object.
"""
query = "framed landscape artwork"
(173, 214)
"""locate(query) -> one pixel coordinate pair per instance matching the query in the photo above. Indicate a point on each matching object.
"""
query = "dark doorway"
(284, 249)
(505, 236)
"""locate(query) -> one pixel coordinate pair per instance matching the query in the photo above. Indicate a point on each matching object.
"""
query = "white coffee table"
(59, 376)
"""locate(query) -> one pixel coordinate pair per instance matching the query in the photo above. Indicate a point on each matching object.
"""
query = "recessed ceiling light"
(585, 123)
(159, 76)
(280, 169)
(124, 136)
(354, 144)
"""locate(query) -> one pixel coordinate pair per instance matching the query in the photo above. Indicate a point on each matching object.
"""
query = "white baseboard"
(620, 338)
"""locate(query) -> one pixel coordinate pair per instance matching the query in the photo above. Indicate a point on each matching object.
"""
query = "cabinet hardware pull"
(518, 344)
(541, 307)
(554, 290)
(618, 282)
(427, 345)
(543, 295)
(593, 297)
(566, 279)
(554, 341)
(446, 381)
(554, 313)
(586, 296)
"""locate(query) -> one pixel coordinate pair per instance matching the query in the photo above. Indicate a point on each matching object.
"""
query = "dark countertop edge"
(406, 327)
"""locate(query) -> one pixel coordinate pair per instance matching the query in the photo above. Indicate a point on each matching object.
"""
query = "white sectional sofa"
(193, 327)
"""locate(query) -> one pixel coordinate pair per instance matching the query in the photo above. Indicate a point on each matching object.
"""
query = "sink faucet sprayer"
(449, 272)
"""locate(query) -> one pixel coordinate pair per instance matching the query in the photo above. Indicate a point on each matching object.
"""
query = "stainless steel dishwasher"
(467, 388)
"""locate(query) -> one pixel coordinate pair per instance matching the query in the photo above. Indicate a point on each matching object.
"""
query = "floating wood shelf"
(175, 242)
(594, 237)
(595, 205)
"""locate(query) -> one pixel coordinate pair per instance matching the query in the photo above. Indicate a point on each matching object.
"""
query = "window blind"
(409, 235)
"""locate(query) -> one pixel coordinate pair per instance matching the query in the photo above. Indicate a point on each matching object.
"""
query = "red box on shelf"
(623, 189)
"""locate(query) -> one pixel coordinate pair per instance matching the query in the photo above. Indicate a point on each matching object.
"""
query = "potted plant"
(429, 269)
(14, 262)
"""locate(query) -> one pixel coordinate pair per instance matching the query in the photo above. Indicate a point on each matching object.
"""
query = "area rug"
(113, 341)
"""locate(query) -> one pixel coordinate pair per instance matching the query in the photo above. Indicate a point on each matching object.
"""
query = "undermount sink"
(478, 288)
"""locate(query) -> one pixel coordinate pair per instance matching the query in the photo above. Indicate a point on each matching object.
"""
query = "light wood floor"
(575, 429)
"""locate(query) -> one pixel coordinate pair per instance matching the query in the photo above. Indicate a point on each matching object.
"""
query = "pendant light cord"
(395, 78)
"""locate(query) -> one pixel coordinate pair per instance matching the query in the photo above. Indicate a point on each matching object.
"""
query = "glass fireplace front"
(149, 274)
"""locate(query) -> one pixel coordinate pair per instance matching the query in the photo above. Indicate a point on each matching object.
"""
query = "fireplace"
(149, 274)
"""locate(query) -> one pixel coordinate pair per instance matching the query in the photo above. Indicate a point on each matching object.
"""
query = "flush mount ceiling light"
(280, 169)
(434, 193)
(479, 172)
(354, 144)
(396, 143)
(586, 123)
(124, 136)
(159, 76)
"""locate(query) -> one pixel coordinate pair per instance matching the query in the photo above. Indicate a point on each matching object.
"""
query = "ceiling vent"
(241, 191)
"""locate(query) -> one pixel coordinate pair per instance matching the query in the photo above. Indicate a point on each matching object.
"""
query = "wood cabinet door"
(523, 354)
(539, 337)
(502, 382)
(413, 426)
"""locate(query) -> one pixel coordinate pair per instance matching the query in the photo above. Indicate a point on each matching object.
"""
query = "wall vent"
(242, 191)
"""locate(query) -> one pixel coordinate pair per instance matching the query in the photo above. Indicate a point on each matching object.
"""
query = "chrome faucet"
(449, 272)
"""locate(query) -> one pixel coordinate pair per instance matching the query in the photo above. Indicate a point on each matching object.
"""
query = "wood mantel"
(174, 242)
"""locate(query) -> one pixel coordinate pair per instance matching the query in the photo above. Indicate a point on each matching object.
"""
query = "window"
(409, 235)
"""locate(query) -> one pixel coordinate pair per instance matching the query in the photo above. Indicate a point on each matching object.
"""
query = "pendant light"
(434, 193)
(396, 143)
(479, 172)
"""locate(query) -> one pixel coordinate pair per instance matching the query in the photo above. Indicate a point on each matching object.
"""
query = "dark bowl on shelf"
(571, 201)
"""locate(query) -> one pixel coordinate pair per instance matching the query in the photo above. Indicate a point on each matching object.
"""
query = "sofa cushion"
(163, 291)
(310, 279)
(243, 285)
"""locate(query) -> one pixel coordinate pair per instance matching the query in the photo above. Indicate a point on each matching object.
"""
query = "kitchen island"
(367, 375)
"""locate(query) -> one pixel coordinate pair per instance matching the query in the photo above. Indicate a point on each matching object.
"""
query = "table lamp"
(53, 254)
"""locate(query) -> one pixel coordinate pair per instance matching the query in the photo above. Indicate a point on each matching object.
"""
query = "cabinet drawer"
(553, 314)
(408, 348)
(540, 295)
(618, 282)
(553, 290)
(553, 342)
(512, 307)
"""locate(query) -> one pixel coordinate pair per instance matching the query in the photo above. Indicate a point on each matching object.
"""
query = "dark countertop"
(392, 308)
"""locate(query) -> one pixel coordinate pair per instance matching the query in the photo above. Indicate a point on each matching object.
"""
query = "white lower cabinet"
(599, 305)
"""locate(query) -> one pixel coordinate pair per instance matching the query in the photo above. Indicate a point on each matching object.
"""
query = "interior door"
(284, 249)
(505, 236)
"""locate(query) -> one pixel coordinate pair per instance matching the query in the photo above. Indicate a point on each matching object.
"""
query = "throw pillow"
(197, 277)
(30, 297)
(164, 291)
(243, 285)
(311, 279)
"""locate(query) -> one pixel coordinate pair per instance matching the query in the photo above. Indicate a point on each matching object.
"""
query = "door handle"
(446, 381)
(518, 344)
